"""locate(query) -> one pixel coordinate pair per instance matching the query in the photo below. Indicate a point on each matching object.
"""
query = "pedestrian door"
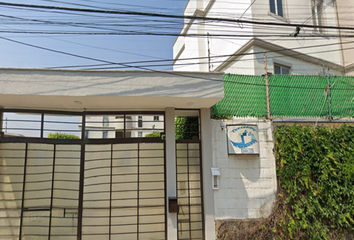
(189, 190)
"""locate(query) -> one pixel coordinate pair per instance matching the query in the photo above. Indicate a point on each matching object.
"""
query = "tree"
(187, 127)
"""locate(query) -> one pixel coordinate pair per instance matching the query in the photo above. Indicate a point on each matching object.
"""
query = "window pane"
(285, 71)
(280, 7)
(277, 69)
(272, 6)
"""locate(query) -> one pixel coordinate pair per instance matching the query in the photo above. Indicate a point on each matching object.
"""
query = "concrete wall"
(247, 183)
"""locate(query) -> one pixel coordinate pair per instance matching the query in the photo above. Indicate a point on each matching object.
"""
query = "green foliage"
(315, 167)
(315, 170)
(153, 135)
(62, 136)
(186, 127)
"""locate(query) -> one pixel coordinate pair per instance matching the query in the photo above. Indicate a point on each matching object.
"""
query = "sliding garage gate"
(83, 188)
(106, 183)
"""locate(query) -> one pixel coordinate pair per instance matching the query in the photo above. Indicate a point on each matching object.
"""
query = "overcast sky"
(113, 48)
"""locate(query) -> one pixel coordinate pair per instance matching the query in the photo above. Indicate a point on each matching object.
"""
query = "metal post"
(52, 192)
(208, 53)
(23, 190)
(138, 195)
(82, 172)
(329, 96)
(110, 195)
(42, 125)
(267, 85)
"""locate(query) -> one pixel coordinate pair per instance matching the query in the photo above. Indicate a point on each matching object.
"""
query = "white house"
(288, 50)
(113, 126)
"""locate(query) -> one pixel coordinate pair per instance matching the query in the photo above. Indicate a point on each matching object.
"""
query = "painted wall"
(247, 183)
(254, 65)
(300, 12)
(346, 19)
(294, 13)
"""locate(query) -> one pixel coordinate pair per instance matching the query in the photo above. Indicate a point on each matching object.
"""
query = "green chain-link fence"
(290, 96)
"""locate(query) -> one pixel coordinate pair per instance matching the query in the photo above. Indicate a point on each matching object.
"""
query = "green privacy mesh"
(244, 96)
(290, 96)
(342, 96)
(298, 96)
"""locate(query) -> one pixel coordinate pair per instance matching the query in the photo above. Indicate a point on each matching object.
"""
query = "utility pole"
(328, 92)
(267, 85)
(208, 53)
(329, 96)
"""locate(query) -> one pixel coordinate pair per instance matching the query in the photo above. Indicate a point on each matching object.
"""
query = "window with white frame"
(156, 118)
(276, 7)
(318, 14)
(105, 134)
(281, 70)
(105, 121)
(140, 121)
(140, 134)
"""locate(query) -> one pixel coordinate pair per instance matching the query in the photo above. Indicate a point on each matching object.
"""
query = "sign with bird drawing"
(242, 139)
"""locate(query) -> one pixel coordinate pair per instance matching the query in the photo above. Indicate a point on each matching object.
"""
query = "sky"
(113, 48)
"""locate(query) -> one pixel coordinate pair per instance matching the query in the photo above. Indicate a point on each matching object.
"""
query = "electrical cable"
(136, 13)
(163, 72)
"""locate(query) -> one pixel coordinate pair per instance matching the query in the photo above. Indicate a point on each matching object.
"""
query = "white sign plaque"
(242, 139)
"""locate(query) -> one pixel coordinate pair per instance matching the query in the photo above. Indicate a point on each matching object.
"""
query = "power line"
(136, 13)
(226, 55)
(168, 73)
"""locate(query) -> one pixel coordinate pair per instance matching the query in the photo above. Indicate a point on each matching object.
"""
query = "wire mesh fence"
(290, 96)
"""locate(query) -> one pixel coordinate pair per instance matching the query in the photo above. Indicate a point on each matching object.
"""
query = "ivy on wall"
(315, 167)
(315, 170)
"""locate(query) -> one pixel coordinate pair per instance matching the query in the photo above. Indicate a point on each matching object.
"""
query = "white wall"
(254, 64)
(247, 183)
(243, 65)
(299, 12)
(198, 47)
(346, 19)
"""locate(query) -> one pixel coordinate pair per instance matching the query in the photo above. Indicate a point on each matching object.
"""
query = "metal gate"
(123, 195)
(82, 188)
(189, 190)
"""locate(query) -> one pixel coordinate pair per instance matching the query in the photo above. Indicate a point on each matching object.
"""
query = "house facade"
(305, 51)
